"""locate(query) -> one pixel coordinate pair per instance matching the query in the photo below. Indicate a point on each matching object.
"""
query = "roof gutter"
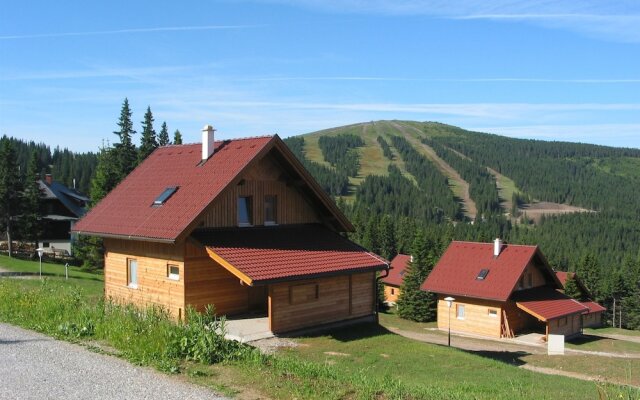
(126, 237)
(375, 292)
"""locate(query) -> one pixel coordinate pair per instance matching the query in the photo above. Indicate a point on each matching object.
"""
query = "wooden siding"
(593, 320)
(206, 282)
(339, 298)
(391, 293)
(568, 326)
(476, 316)
(154, 287)
(519, 320)
(263, 180)
(537, 278)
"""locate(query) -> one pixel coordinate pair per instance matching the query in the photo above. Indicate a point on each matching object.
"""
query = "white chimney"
(411, 258)
(207, 141)
(497, 247)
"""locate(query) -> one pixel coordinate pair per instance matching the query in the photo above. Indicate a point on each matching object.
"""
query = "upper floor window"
(245, 211)
(270, 210)
(460, 311)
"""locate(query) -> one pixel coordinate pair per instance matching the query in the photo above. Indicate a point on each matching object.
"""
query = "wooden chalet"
(501, 290)
(61, 207)
(593, 317)
(239, 224)
(393, 280)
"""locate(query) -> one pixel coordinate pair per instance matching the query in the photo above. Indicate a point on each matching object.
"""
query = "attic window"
(164, 196)
(482, 274)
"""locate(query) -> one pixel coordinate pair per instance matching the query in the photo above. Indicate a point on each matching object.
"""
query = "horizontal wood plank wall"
(519, 320)
(362, 294)
(206, 282)
(263, 180)
(391, 293)
(332, 304)
(154, 287)
(476, 316)
(567, 326)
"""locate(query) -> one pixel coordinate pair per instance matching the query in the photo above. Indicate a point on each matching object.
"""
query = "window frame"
(274, 208)
(172, 276)
(130, 282)
(492, 312)
(249, 210)
(459, 315)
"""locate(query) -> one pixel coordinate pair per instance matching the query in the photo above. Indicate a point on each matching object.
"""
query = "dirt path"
(469, 206)
(626, 338)
(553, 371)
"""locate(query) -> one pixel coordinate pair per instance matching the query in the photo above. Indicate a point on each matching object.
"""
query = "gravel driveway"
(34, 366)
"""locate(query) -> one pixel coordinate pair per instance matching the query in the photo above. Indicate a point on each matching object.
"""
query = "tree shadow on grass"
(348, 333)
(585, 338)
(507, 357)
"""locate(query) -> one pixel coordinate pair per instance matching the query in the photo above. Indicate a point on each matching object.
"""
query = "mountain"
(577, 201)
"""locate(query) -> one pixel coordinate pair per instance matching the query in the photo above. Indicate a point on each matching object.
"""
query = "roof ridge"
(225, 140)
(491, 243)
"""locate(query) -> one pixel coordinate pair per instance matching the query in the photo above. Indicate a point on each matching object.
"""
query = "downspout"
(375, 290)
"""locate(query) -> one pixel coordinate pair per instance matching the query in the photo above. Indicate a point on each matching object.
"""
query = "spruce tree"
(125, 150)
(571, 288)
(386, 237)
(177, 137)
(413, 303)
(148, 142)
(10, 189)
(163, 137)
(32, 199)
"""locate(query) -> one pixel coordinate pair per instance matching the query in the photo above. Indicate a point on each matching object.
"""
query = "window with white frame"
(493, 312)
(132, 273)
(173, 272)
(460, 311)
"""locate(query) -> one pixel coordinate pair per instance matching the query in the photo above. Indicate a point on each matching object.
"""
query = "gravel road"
(34, 366)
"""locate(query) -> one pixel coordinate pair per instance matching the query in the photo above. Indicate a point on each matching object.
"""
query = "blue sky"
(563, 70)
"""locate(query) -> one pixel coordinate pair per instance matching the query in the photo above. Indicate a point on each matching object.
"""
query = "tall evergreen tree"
(386, 238)
(148, 142)
(571, 288)
(32, 199)
(177, 137)
(10, 189)
(163, 137)
(413, 303)
(125, 150)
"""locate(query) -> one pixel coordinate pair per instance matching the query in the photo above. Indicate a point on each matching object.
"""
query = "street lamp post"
(40, 251)
(449, 301)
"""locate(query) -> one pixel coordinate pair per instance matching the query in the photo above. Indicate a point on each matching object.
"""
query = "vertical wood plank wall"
(154, 287)
(567, 326)
(263, 180)
(334, 302)
(206, 282)
(476, 316)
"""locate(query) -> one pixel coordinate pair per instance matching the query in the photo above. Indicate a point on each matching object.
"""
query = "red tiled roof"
(593, 306)
(268, 254)
(127, 211)
(399, 265)
(562, 277)
(546, 303)
(457, 270)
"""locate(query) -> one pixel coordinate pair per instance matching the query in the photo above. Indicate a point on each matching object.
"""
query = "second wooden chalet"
(239, 224)
(593, 318)
(501, 290)
(393, 281)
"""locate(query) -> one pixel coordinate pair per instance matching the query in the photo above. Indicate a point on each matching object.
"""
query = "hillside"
(395, 178)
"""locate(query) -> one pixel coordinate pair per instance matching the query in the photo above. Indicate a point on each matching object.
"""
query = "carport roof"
(546, 303)
(262, 255)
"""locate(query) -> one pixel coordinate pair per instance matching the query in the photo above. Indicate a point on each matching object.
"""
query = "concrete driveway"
(34, 366)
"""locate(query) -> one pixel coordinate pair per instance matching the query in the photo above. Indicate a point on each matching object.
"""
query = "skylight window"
(482, 274)
(164, 196)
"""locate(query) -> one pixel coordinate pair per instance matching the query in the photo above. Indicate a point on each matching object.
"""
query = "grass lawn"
(390, 320)
(596, 343)
(426, 367)
(611, 331)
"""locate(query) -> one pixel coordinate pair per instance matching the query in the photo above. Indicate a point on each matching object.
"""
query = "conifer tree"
(177, 137)
(163, 137)
(125, 150)
(386, 237)
(413, 303)
(10, 189)
(32, 198)
(148, 142)
(571, 288)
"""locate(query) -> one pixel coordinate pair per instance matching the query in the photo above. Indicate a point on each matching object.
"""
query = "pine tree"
(631, 307)
(10, 188)
(414, 303)
(589, 272)
(370, 238)
(571, 288)
(163, 137)
(32, 199)
(125, 151)
(177, 137)
(386, 237)
(148, 142)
